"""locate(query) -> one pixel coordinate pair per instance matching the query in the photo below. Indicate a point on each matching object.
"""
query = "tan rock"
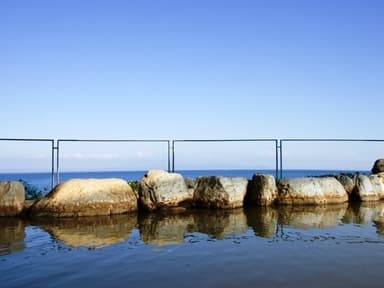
(311, 191)
(160, 190)
(87, 197)
(220, 192)
(262, 190)
(12, 197)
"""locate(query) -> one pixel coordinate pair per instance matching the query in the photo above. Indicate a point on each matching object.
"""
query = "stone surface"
(87, 197)
(262, 190)
(12, 197)
(347, 182)
(311, 191)
(162, 190)
(220, 192)
(378, 166)
(364, 190)
(377, 181)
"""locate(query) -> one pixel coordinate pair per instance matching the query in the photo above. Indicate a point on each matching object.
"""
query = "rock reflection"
(262, 220)
(92, 232)
(366, 212)
(162, 229)
(219, 224)
(12, 235)
(306, 217)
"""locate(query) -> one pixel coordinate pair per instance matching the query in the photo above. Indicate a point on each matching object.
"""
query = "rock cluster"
(159, 190)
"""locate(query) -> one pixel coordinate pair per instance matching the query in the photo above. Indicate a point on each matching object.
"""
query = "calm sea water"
(332, 246)
(286, 246)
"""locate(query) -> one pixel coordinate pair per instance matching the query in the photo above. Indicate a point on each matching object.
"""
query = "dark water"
(289, 246)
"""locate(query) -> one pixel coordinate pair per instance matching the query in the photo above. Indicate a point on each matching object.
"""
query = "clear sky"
(173, 69)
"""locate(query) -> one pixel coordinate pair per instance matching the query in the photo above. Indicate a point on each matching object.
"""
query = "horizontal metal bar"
(110, 140)
(330, 140)
(27, 139)
(225, 140)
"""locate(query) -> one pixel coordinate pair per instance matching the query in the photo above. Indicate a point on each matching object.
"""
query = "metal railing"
(38, 140)
(318, 140)
(171, 155)
(275, 141)
(108, 141)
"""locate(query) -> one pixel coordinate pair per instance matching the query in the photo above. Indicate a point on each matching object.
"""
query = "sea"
(285, 246)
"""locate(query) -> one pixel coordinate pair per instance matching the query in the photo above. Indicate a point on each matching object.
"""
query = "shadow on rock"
(12, 235)
(93, 232)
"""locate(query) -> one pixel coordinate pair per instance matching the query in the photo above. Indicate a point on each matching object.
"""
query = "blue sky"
(166, 69)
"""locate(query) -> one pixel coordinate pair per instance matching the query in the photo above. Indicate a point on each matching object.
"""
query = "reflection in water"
(309, 216)
(219, 224)
(163, 228)
(365, 212)
(11, 235)
(262, 220)
(92, 232)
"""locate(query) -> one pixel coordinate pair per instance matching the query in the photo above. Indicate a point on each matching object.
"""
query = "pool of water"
(288, 246)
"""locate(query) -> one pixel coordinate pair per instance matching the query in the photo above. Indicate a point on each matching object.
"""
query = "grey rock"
(311, 190)
(378, 166)
(161, 190)
(220, 192)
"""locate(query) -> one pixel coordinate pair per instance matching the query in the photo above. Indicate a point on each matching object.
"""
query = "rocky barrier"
(160, 190)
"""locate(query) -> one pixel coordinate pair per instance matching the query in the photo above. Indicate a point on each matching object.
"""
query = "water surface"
(288, 246)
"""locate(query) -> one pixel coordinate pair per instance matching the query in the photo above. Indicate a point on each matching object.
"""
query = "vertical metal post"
(277, 159)
(53, 164)
(173, 156)
(169, 156)
(57, 162)
(281, 159)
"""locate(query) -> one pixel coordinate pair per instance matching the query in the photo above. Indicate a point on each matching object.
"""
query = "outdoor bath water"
(286, 246)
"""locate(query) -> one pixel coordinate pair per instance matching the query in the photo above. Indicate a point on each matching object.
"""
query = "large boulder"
(378, 166)
(377, 181)
(162, 190)
(261, 191)
(87, 197)
(311, 190)
(368, 188)
(12, 197)
(220, 192)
